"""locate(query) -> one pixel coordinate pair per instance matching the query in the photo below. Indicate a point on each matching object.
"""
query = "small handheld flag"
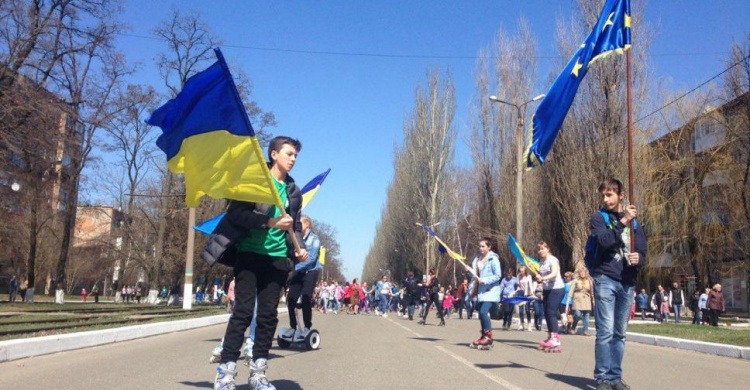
(322, 255)
(529, 262)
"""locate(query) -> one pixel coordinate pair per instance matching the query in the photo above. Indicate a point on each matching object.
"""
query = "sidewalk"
(36, 346)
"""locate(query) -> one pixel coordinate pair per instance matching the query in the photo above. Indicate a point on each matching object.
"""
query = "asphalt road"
(368, 352)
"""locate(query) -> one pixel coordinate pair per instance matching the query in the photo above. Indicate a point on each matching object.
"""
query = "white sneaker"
(385, 315)
(225, 374)
(521, 328)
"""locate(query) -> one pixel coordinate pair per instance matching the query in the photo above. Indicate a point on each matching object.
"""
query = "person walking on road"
(614, 269)
(715, 304)
(525, 289)
(508, 288)
(95, 292)
(433, 291)
(694, 307)
(485, 285)
(411, 284)
(553, 292)
(582, 296)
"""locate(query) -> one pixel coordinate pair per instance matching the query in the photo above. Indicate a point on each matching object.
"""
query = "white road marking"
(500, 381)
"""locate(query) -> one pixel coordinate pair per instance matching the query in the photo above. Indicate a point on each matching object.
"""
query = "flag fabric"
(207, 136)
(322, 255)
(518, 300)
(529, 262)
(611, 34)
(311, 188)
(209, 225)
(443, 247)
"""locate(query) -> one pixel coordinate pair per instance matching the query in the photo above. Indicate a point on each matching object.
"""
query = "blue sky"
(349, 110)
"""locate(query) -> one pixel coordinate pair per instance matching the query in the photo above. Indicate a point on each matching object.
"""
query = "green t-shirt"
(269, 242)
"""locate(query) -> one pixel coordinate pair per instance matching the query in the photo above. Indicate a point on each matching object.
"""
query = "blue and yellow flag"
(307, 192)
(529, 262)
(443, 247)
(208, 137)
(311, 188)
(610, 35)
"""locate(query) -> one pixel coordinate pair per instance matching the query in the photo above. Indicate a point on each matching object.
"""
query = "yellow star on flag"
(576, 67)
(609, 21)
(627, 20)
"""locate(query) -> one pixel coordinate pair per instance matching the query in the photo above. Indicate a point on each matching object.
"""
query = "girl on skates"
(554, 289)
(485, 285)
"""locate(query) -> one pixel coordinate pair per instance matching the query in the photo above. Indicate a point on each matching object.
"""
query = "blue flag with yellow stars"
(611, 34)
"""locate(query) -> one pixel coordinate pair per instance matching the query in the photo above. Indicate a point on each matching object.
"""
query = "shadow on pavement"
(203, 384)
(575, 381)
(285, 384)
(511, 365)
(426, 339)
(515, 341)
(213, 340)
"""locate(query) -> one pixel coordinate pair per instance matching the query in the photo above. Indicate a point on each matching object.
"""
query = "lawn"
(722, 335)
(41, 319)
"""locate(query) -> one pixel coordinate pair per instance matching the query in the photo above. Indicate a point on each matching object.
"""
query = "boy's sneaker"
(385, 315)
(621, 385)
(216, 354)
(606, 385)
(258, 380)
(225, 374)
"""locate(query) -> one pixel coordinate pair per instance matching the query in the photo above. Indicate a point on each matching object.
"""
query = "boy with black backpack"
(614, 269)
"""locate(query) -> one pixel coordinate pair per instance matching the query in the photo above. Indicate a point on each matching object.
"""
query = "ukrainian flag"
(208, 137)
(610, 35)
(307, 193)
(443, 247)
(311, 188)
(531, 263)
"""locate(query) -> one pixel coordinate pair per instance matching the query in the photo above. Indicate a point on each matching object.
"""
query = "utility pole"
(519, 159)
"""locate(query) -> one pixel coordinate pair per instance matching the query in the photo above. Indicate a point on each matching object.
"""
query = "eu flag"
(208, 137)
(611, 34)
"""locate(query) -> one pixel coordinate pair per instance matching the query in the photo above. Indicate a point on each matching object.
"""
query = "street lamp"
(519, 159)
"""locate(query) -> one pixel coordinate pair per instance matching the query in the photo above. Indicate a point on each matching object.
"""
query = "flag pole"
(630, 149)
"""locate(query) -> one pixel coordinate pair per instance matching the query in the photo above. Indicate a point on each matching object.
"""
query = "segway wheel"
(312, 340)
(282, 343)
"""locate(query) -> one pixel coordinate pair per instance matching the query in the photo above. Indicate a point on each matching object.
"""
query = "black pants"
(434, 298)
(714, 315)
(301, 284)
(264, 277)
(507, 314)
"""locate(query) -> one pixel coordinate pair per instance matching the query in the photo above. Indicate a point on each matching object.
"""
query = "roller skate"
(553, 344)
(544, 343)
(484, 343)
(258, 380)
(225, 374)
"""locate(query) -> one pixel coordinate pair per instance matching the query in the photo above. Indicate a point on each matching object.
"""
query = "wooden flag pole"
(630, 150)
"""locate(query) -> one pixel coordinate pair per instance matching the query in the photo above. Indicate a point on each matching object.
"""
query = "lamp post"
(519, 159)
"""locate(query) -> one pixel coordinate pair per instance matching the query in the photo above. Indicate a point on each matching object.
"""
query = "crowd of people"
(705, 305)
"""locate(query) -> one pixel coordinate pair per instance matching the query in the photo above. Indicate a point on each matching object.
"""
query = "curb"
(732, 351)
(44, 345)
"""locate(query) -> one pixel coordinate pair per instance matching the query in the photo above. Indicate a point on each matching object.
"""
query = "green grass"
(87, 317)
(722, 335)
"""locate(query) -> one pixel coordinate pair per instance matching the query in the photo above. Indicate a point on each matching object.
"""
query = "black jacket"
(244, 216)
(609, 260)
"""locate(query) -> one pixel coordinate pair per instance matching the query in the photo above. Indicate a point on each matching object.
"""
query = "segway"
(289, 337)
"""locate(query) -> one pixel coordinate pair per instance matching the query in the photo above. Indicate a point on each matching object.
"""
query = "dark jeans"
(507, 314)
(538, 313)
(264, 277)
(301, 284)
(643, 313)
(411, 302)
(552, 300)
(438, 306)
(526, 307)
(706, 317)
(470, 306)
